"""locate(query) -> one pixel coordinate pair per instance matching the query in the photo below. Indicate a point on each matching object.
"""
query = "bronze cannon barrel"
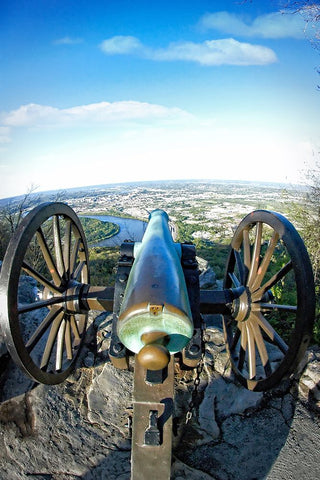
(155, 308)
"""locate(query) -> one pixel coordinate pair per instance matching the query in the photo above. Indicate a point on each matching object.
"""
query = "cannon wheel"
(271, 322)
(43, 272)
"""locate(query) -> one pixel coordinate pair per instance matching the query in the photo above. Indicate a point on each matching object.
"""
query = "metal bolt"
(117, 347)
(194, 349)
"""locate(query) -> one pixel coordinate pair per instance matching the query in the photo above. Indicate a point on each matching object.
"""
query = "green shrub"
(96, 230)
(103, 262)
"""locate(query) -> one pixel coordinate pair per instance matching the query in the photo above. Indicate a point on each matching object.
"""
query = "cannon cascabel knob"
(154, 356)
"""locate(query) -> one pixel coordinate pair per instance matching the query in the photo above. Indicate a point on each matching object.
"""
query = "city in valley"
(209, 209)
(203, 212)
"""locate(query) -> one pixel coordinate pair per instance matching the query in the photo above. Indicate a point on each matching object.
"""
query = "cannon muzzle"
(155, 317)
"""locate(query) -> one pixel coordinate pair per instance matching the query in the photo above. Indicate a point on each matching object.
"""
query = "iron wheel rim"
(252, 327)
(69, 255)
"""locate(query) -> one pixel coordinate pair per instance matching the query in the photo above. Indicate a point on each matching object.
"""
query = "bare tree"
(11, 215)
(310, 12)
(308, 216)
(311, 220)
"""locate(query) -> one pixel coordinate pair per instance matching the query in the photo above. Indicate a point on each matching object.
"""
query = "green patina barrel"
(155, 307)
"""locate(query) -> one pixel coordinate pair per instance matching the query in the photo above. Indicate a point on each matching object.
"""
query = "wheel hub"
(73, 296)
(241, 306)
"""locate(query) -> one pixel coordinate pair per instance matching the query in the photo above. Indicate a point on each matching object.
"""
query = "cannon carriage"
(267, 307)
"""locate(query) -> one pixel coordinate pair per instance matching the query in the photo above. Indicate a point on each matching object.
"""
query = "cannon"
(267, 307)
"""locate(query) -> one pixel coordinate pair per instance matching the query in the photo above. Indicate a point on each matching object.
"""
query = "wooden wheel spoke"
(30, 307)
(241, 268)
(271, 333)
(260, 345)
(266, 261)
(60, 345)
(68, 340)
(58, 244)
(78, 270)
(51, 340)
(255, 255)
(75, 330)
(48, 257)
(81, 321)
(74, 256)
(67, 246)
(244, 337)
(251, 351)
(246, 251)
(273, 280)
(243, 345)
(42, 328)
(40, 278)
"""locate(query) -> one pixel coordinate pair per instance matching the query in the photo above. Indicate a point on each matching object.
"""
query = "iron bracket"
(118, 353)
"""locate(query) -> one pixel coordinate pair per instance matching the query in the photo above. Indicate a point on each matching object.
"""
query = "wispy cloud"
(272, 25)
(210, 52)
(218, 52)
(5, 135)
(34, 115)
(68, 41)
(121, 44)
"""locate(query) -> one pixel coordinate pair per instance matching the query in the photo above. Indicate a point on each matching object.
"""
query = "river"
(130, 229)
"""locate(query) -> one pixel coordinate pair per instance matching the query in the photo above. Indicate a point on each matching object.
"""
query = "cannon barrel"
(155, 317)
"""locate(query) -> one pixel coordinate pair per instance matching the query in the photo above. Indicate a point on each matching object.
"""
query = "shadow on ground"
(79, 429)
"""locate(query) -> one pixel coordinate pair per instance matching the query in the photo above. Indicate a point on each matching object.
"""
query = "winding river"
(130, 229)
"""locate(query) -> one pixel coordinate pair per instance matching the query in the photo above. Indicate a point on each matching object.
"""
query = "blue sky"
(108, 91)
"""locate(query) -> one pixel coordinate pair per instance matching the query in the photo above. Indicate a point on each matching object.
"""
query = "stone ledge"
(309, 381)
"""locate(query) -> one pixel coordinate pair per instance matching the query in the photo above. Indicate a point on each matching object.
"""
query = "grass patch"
(96, 230)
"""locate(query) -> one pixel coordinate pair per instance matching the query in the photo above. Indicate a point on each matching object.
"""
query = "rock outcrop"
(207, 278)
(81, 428)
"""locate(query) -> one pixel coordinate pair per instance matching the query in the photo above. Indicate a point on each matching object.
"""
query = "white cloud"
(210, 53)
(28, 115)
(271, 25)
(217, 52)
(68, 41)
(5, 135)
(33, 115)
(121, 44)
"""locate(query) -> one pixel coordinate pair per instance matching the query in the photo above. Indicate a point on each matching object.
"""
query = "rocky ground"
(80, 429)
